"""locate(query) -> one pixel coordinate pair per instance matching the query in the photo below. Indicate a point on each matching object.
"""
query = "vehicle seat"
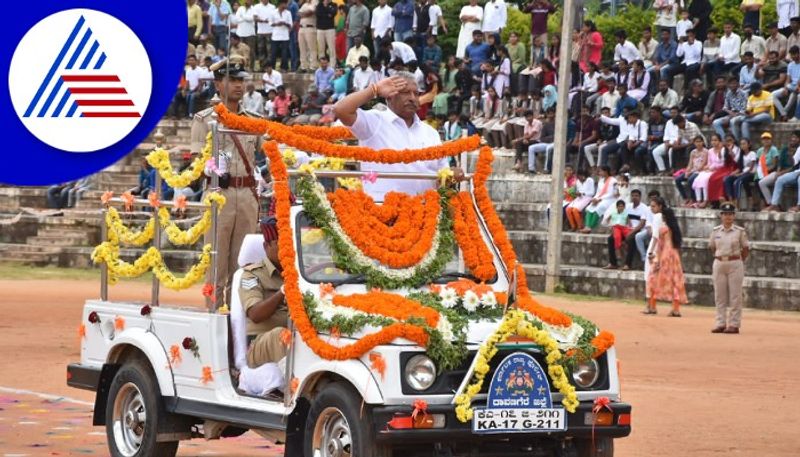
(267, 377)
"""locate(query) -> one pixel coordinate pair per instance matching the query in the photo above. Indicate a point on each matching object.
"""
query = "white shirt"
(590, 82)
(671, 132)
(264, 13)
(382, 20)
(385, 130)
(666, 17)
(269, 108)
(377, 75)
(691, 53)
(435, 12)
(586, 188)
(787, 9)
(420, 77)
(253, 102)
(627, 131)
(729, 48)
(402, 51)
(796, 157)
(362, 78)
(280, 33)
(494, 16)
(193, 76)
(682, 26)
(749, 160)
(626, 51)
(272, 80)
(641, 212)
(246, 24)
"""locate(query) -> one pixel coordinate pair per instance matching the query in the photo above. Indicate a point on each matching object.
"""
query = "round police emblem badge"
(87, 82)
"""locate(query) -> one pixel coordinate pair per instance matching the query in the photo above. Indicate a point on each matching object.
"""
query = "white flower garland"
(362, 260)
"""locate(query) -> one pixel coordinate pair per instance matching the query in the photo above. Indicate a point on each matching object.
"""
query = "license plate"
(511, 420)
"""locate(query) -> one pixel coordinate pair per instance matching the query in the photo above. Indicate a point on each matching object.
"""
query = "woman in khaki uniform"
(730, 247)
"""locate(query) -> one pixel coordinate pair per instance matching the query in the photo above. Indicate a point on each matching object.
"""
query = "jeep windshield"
(317, 265)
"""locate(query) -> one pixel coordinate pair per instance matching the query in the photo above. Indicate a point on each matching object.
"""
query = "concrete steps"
(764, 293)
(767, 259)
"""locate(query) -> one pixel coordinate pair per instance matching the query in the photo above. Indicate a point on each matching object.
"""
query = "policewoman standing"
(730, 247)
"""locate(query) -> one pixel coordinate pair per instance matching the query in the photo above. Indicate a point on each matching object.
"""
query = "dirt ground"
(693, 393)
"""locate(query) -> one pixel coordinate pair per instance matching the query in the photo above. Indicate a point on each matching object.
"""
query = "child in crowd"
(697, 161)
(452, 129)
(744, 176)
(269, 105)
(683, 25)
(339, 83)
(624, 187)
(618, 219)
(714, 161)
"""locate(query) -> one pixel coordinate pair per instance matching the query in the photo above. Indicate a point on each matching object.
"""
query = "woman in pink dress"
(715, 161)
(591, 46)
(716, 189)
(665, 280)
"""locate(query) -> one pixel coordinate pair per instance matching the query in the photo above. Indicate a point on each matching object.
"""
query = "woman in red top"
(548, 75)
(591, 46)
(715, 183)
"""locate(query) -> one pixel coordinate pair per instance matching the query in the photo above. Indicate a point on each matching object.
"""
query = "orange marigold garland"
(477, 256)
(391, 305)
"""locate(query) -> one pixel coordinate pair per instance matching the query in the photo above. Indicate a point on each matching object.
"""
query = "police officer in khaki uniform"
(237, 182)
(261, 295)
(730, 247)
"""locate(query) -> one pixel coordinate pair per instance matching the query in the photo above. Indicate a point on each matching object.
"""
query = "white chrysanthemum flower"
(488, 300)
(446, 328)
(471, 302)
(449, 297)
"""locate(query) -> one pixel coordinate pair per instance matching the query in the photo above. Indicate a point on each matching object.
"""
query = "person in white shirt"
(666, 16)
(399, 51)
(625, 50)
(394, 128)
(495, 16)
(638, 215)
(253, 101)
(647, 47)
(272, 78)
(682, 26)
(631, 141)
(728, 58)
(382, 22)
(378, 71)
(691, 54)
(194, 75)
(281, 22)
(786, 9)
(262, 13)
(246, 28)
(362, 75)
(437, 19)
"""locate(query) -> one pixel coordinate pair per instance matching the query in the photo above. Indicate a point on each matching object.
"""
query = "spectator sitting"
(516, 123)
(355, 53)
(610, 98)
(476, 53)
(772, 73)
(694, 102)
(790, 176)
(587, 93)
(253, 101)
(775, 42)
(690, 51)
(58, 193)
(715, 159)
(585, 189)
(753, 44)
(768, 166)
(532, 131)
(744, 175)
(647, 47)
(362, 75)
(467, 125)
(625, 103)
(587, 134)
(143, 188)
(639, 82)
(728, 58)
(664, 56)
(452, 128)
(272, 79)
(341, 76)
(399, 51)
(432, 53)
(606, 142)
(710, 52)
(311, 109)
(790, 89)
(759, 111)
(747, 74)
(715, 104)
(625, 50)
(665, 99)
(605, 195)
(655, 130)
(697, 162)
(735, 105)
(545, 144)
(269, 105)
(324, 74)
(670, 141)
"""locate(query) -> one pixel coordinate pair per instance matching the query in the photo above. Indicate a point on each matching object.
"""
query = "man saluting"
(398, 127)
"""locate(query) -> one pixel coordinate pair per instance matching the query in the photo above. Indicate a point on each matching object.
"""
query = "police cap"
(232, 70)
(728, 208)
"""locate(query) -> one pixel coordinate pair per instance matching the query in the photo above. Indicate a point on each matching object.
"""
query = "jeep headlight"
(585, 373)
(420, 372)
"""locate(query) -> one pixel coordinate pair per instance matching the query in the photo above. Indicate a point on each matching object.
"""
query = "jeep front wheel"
(133, 414)
(336, 428)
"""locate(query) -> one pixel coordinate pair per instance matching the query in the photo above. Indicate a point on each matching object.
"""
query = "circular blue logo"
(87, 82)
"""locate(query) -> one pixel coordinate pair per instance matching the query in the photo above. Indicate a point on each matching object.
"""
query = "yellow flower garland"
(117, 231)
(159, 159)
(514, 323)
(108, 253)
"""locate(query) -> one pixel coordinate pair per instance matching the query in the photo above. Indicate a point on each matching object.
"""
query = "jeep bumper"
(579, 425)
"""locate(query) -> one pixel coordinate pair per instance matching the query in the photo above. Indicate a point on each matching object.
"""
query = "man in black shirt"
(326, 32)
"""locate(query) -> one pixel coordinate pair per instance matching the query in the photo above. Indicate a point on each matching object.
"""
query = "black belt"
(308, 26)
(728, 258)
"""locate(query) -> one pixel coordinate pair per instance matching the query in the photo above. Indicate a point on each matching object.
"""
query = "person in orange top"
(665, 279)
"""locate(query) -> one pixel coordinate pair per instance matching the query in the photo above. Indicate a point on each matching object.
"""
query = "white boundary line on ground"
(11, 390)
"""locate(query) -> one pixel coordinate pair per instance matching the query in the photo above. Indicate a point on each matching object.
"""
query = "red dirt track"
(693, 393)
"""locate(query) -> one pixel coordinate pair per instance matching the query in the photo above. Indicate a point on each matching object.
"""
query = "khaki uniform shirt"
(242, 50)
(728, 242)
(259, 281)
(227, 149)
